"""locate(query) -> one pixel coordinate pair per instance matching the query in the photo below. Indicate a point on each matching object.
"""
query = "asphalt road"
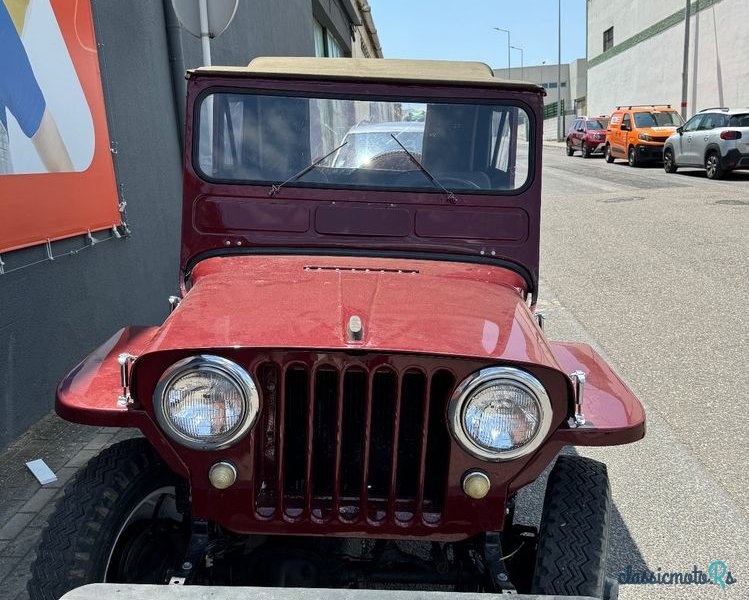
(653, 270)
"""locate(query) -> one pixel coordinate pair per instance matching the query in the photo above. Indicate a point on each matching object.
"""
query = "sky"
(462, 29)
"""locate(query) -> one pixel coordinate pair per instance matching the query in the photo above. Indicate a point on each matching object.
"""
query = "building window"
(552, 85)
(608, 39)
(325, 43)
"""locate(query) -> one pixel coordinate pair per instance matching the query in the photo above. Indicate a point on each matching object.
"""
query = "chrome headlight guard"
(479, 381)
(236, 375)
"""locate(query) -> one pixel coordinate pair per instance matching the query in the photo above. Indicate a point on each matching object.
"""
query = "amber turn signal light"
(476, 484)
(222, 475)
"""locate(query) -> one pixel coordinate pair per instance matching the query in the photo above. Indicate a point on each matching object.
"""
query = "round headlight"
(500, 413)
(206, 402)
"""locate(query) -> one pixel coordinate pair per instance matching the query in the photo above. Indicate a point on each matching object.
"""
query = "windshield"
(658, 119)
(272, 139)
(598, 123)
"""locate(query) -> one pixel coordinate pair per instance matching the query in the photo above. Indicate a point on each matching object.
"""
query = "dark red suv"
(588, 135)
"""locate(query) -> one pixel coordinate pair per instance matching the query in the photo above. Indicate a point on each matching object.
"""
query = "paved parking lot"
(652, 270)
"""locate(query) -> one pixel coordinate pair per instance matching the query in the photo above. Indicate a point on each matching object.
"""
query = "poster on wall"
(56, 174)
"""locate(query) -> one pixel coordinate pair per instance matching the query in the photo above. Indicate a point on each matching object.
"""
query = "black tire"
(585, 150)
(574, 533)
(669, 162)
(89, 521)
(607, 154)
(713, 168)
(570, 149)
(632, 157)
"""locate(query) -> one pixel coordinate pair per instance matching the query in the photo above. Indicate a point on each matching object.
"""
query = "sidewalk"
(24, 504)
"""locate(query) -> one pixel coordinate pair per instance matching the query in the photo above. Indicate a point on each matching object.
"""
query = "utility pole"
(559, 70)
(205, 40)
(508, 50)
(685, 67)
(522, 63)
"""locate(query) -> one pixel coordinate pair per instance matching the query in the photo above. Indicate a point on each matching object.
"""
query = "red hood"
(426, 307)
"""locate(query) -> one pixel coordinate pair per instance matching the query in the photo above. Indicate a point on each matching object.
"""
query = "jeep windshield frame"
(253, 138)
(491, 226)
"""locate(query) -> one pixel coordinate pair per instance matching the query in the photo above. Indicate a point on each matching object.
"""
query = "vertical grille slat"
(353, 444)
(280, 441)
(419, 511)
(366, 439)
(398, 398)
(338, 440)
(310, 439)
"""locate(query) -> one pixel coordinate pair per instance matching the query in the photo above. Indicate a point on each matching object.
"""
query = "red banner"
(56, 173)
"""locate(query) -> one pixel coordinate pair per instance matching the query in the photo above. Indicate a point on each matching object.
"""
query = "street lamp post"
(522, 65)
(559, 70)
(508, 49)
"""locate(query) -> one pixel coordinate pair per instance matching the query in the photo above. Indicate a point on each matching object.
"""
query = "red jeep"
(354, 383)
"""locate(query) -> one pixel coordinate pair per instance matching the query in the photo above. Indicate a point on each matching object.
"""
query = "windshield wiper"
(450, 196)
(276, 187)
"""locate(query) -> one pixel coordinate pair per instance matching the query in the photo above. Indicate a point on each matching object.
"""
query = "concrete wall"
(645, 64)
(54, 313)
(542, 74)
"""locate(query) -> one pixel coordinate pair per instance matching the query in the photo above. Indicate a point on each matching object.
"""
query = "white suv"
(715, 139)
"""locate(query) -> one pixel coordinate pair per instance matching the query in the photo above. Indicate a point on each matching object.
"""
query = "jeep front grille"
(351, 443)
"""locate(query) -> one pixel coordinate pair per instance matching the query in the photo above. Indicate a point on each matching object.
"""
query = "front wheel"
(586, 150)
(632, 157)
(607, 153)
(713, 169)
(574, 534)
(118, 522)
(570, 149)
(669, 163)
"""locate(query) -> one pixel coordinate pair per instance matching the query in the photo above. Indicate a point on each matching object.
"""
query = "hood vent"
(361, 269)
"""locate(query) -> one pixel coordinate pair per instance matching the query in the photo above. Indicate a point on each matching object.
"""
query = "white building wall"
(650, 70)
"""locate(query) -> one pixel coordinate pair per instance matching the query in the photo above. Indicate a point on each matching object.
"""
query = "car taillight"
(730, 135)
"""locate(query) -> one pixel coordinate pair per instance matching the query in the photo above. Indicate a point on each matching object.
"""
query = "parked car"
(354, 382)
(637, 133)
(715, 139)
(371, 145)
(588, 135)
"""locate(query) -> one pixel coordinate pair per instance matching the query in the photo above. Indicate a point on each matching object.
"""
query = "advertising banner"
(56, 174)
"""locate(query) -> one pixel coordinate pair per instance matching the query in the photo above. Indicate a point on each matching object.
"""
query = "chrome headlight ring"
(208, 363)
(483, 379)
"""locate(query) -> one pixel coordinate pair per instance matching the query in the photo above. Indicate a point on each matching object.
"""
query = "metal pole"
(205, 40)
(559, 70)
(508, 49)
(522, 63)
(522, 69)
(685, 67)
(509, 75)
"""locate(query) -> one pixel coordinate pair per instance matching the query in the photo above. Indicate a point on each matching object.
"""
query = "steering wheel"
(394, 160)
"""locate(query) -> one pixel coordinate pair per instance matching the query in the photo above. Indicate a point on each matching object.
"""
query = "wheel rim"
(667, 161)
(632, 157)
(159, 504)
(712, 165)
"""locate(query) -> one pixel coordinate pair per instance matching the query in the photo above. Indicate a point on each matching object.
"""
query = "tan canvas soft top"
(383, 69)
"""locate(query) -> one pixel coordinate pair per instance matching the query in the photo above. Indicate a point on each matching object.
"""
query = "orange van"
(636, 133)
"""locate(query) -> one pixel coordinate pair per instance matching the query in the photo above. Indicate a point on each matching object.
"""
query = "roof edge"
(441, 72)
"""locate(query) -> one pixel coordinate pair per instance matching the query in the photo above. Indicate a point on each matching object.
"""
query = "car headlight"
(500, 413)
(206, 402)
(645, 137)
